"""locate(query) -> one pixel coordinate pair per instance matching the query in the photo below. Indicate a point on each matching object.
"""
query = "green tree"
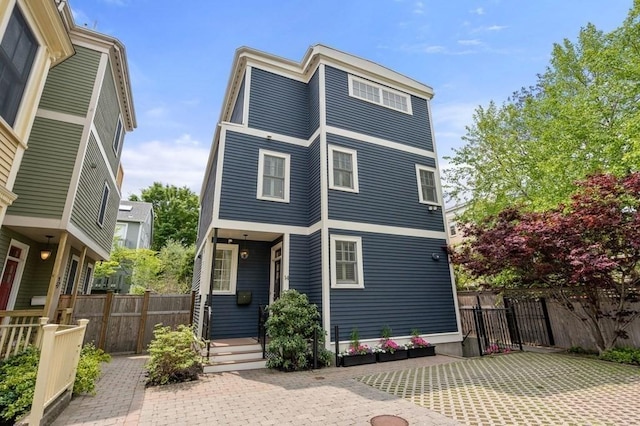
(581, 117)
(176, 213)
(176, 267)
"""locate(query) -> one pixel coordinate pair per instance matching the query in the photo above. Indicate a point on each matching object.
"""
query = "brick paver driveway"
(519, 388)
(522, 389)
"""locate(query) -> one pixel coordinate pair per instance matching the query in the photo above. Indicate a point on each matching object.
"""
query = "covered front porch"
(248, 273)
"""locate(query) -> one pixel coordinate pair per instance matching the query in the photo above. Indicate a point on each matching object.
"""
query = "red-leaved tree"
(587, 254)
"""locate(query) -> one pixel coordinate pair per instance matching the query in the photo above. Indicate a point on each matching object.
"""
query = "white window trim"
(17, 279)
(334, 280)
(234, 267)
(287, 175)
(352, 78)
(354, 160)
(106, 204)
(420, 167)
(117, 137)
(125, 228)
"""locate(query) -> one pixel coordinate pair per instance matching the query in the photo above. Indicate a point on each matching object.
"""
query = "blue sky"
(180, 56)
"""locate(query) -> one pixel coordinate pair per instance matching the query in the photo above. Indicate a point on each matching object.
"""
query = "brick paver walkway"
(522, 389)
(519, 388)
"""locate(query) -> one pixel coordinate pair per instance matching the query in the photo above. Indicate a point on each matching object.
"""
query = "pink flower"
(419, 342)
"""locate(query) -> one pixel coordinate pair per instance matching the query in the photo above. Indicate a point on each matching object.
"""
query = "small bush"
(17, 383)
(89, 370)
(292, 321)
(579, 350)
(175, 356)
(625, 355)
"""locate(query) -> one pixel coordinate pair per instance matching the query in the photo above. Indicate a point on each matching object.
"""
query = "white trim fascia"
(245, 99)
(233, 279)
(352, 77)
(360, 137)
(421, 200)
(287, 175)
(261, 227)
(268, 136)
(314, 228)
(87, 241)
(218, 184)
(102, 48)
(354, 170)
(286, 240)
(32, 222)
(384, 229)
(17, 278)
(359, 284)
(61, 116)
(89, 127)
(324, 204)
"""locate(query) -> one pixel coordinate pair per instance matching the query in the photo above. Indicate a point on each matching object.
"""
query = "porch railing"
(59, 356)
(19, 329)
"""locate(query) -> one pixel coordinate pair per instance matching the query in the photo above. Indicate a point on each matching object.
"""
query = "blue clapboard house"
(323, 177)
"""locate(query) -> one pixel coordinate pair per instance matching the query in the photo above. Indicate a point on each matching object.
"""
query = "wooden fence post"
(143, 321)
(43, 322)
(46, 356)
(106, 313)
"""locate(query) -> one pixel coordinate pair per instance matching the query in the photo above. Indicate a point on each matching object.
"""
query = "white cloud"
(116, 2)
(473, 42)
(489, 28)
(157, 112)
(477, 11)
(419, 8)
(180, 162)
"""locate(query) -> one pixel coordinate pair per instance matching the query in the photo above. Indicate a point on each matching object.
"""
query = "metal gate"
(495, 329)
(533, 317)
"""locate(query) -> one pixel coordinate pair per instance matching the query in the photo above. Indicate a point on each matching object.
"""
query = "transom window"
(379, 94)
(273, 176)
(225, 268)
(427, 190)
(343, 169)
(346, 261)
(17, 51)
(103, 204)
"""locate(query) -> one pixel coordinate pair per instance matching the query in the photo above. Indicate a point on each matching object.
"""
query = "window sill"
(277, 200)
(345, 189)
(348, 286)
(223, 293)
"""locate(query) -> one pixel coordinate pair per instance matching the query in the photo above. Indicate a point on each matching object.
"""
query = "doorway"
(12, 274)
(275, 287)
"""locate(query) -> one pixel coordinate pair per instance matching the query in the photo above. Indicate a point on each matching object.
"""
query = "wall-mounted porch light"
(244, 253)
(45, 253)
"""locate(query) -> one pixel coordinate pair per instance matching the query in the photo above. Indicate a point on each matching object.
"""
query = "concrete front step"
(235, 355)
(247, 364)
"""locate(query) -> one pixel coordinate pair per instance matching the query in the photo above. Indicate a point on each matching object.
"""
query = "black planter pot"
(388, 356)
(420, 352)
(351, 360)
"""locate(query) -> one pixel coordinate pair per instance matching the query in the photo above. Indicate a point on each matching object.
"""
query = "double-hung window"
(225, 269)
(378, 94)
(17, 52)
(347, 270)
(117, 139)
(273, 176)
(343, 169)
(427, 190)
(103, 204)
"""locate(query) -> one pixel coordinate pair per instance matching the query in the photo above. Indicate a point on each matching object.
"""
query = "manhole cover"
(388, 420)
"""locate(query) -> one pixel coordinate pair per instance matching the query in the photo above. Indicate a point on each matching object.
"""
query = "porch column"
(50, 304)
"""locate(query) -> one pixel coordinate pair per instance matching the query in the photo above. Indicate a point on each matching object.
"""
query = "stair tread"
(242, 361)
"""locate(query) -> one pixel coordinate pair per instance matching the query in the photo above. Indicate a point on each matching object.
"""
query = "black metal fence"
(495, 329)
(532, 316)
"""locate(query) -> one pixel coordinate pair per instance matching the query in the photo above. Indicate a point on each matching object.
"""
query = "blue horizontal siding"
(238, 108)
(313, 158)
(231, 320)
(314, 103)
(240, 181)
(315, 269)
(388, 189)
(278, 104)
(404, 288)
(299, 263)
(357, 115)
(206, 202)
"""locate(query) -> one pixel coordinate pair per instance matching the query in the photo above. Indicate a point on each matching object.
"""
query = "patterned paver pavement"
(519, 388)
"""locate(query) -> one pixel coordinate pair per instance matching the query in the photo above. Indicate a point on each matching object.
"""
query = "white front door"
(12, 273)
(275, 287)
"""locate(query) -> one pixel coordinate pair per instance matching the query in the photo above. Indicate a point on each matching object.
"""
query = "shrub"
(624, 355)
(17, 383)
(89, 369)
(292, 321)
(175, 356)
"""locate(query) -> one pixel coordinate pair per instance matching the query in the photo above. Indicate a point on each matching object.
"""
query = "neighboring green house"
(68, 184)
(134, 230)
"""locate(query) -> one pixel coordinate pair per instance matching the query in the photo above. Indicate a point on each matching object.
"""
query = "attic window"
(378, 94)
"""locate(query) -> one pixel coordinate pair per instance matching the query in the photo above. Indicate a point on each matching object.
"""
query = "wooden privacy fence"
(59, 356)
(125, 323)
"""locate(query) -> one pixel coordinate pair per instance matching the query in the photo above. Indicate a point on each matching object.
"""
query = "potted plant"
(419, 347)
(388, 349)
(357, 354)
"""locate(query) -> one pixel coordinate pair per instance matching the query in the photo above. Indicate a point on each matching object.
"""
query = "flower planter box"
(388, 356)
(420, 352)
(351, 360)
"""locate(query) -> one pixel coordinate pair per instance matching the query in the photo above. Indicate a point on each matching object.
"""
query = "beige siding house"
(68, 183)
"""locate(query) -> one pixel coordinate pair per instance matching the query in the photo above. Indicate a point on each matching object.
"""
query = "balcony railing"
(19, 329)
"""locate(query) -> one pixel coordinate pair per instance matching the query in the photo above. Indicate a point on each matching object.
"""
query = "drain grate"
(388, 420)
